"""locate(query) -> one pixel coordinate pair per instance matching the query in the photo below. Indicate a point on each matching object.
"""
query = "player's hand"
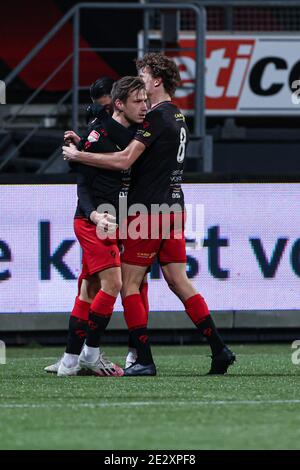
(106, 225)
(95, 217)
(71, 137)
(70, 153)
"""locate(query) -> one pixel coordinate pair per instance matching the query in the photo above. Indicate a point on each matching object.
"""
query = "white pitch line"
(149, 403)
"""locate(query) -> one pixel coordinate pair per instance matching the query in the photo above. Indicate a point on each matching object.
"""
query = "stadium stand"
(232, 135)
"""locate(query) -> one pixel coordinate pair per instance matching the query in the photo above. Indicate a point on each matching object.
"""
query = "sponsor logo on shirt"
(179, 117)
(146, 255)
(93, 136)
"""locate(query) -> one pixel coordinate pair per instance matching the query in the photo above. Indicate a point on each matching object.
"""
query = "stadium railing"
(74, 15)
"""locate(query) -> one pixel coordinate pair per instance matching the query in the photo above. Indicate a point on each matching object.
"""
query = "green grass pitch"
(255, 406)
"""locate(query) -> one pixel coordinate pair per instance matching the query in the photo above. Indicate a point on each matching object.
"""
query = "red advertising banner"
(245, 74)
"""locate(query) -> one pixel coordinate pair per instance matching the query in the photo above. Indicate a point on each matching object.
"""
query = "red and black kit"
(96, 186)
(155, 180)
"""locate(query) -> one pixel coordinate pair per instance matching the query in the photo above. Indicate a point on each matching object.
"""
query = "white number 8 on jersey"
(181, 148)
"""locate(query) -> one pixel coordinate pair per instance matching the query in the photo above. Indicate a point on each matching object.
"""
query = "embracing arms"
(113, 161)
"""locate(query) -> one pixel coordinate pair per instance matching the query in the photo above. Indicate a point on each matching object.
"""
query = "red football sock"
(100, 314)
(144, 297)
(103, 304)
(81, 309)
(134, 311)
(136, 319)
(196, 308)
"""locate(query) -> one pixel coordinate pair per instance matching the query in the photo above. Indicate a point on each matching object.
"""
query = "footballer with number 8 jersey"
(157, 154)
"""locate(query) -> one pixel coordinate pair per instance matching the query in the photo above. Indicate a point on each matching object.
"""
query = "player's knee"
(130, 288)
(112, 287)
(131, 283)
(118, 285)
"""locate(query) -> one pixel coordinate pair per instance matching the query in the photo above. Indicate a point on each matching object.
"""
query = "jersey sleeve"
(84, 175)
(120, 135)
(151, 128)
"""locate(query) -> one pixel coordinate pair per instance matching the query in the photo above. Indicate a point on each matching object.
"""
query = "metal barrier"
(243, 15)
(74, 15)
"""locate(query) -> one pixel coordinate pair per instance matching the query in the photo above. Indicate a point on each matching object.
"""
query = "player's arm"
(121, 160)
(84, 195)
(105, 222)
(83, 174)
(112, 161)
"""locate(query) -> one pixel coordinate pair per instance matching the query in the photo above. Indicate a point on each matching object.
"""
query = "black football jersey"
(156, 176)
(97, 186)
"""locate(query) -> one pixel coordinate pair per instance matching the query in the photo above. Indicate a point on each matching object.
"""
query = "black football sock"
(131, 341)
(76, 335)
(140, 341)
(96, 326)
(210, 332)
